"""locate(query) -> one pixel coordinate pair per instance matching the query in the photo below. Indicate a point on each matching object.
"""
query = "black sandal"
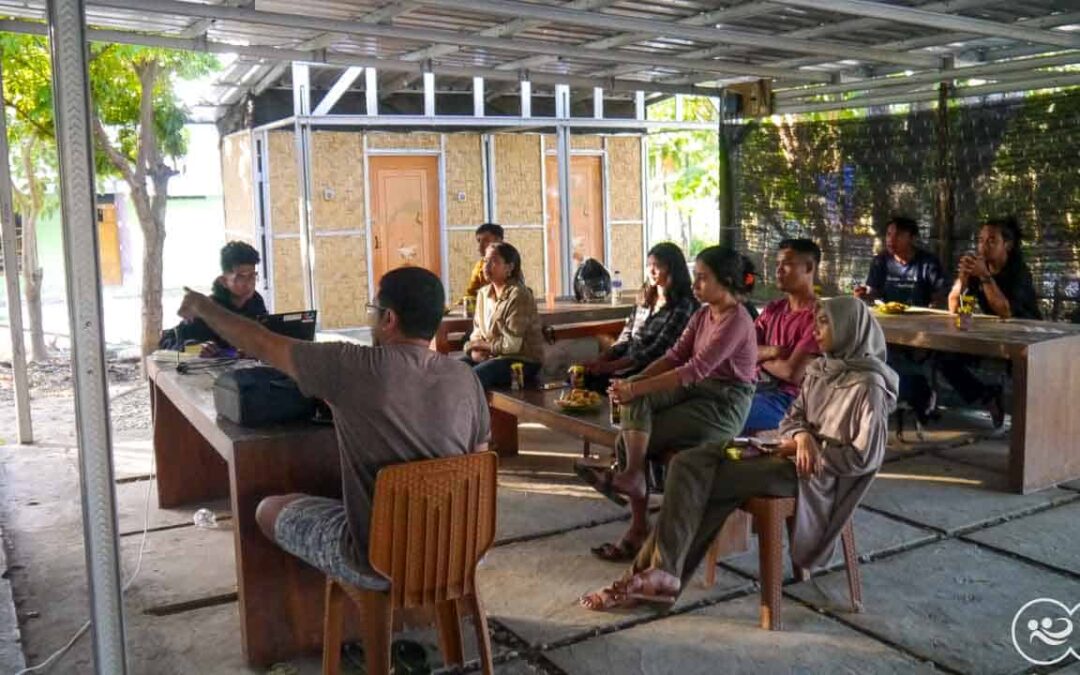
(600, 480)
(620, 552)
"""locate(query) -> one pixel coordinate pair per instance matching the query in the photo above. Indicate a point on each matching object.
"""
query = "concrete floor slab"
(992, 454)
(132, 505)
(951, 496)
(875, 535)
(180, 565)
(531, 508)
(11, 655)
(1042, 536)
(946, 601)
(725, 638)
(533, 587)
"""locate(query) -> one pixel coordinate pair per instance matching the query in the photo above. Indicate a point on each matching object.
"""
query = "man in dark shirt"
(396, 402)
(904, 272)
(234, 290)
(1001, 283)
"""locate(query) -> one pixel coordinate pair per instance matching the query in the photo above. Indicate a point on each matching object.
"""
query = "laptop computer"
(297, 325)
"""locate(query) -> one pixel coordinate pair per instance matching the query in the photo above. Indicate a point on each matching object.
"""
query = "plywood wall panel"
(624, 177)
(284, 186)
(464, 180)
(463, 256)
(238, 185)
(579, 142)
(288, 276)
(390, 141)
(530, 244)
(341, 280)
(626, 253)
(518, 184)
(337, 180)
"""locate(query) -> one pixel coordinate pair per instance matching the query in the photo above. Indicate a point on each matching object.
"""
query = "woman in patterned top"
(664, 307)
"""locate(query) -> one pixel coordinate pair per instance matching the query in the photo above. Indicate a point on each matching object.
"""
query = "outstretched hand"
(189, 308)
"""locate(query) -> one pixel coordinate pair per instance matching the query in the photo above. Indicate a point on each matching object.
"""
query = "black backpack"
(591, 281)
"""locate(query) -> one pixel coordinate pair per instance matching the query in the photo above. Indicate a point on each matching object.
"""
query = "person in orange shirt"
(486, 235)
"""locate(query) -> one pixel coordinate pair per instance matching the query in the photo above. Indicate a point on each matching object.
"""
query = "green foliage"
(115, 91)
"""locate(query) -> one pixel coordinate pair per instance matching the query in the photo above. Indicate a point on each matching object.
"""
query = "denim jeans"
(495, 373)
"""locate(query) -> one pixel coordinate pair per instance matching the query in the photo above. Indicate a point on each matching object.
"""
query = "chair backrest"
(431, 523)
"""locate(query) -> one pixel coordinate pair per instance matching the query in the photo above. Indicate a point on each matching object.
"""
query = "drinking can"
(517, 376)
(577, 377)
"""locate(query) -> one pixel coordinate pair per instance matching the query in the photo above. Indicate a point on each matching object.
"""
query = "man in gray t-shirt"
(395, 402)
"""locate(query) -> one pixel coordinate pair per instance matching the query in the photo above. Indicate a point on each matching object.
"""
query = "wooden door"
(586, 212)
(109, 246)
(404, 212)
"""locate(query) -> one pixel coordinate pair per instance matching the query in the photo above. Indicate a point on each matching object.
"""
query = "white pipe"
(71, 95)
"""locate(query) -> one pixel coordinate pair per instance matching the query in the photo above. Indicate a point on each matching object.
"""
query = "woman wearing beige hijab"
(834, 438)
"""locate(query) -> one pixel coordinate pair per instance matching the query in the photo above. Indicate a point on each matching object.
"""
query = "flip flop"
(620, 552)
(600, 480)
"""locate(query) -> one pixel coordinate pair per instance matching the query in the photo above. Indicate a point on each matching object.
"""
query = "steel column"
(71, 95)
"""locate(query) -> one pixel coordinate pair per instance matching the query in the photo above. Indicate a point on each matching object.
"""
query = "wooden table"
(509, 408)
(201, 458)
(557, 314)
(1045, 362)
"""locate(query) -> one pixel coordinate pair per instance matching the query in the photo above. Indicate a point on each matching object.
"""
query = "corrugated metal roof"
(841, 39)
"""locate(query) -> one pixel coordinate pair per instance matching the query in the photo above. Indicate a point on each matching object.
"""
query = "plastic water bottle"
(616, 287)
(205, 518)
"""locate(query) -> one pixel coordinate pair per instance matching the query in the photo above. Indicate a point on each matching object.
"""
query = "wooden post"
(944, 189)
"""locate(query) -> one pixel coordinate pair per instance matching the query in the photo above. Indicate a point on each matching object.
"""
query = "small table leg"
(504, 433)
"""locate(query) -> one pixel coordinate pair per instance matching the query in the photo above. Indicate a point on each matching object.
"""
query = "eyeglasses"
(246, 276)
(375, 309)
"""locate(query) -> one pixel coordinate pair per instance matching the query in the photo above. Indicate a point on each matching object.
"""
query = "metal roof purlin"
(672, 29)
(312, 23)
(502, 30)
(940, 21)
(338, 59)
(849, 26)
(622, 39)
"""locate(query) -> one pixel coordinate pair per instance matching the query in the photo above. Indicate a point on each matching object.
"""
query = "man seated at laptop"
(395, 402)
(233, 290)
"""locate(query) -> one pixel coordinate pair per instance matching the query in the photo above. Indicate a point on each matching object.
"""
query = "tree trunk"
(153, 230)
(32, 277)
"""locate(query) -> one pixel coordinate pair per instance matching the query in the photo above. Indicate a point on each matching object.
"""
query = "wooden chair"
(431, 523)
(769, 516)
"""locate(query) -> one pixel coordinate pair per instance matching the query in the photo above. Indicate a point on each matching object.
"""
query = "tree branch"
(115, 156)
(147, 158)
(25, 117)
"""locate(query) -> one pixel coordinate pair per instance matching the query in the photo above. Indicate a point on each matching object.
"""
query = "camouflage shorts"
(315, 530)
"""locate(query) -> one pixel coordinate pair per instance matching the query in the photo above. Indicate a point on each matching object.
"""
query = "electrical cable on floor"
(58, 654)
